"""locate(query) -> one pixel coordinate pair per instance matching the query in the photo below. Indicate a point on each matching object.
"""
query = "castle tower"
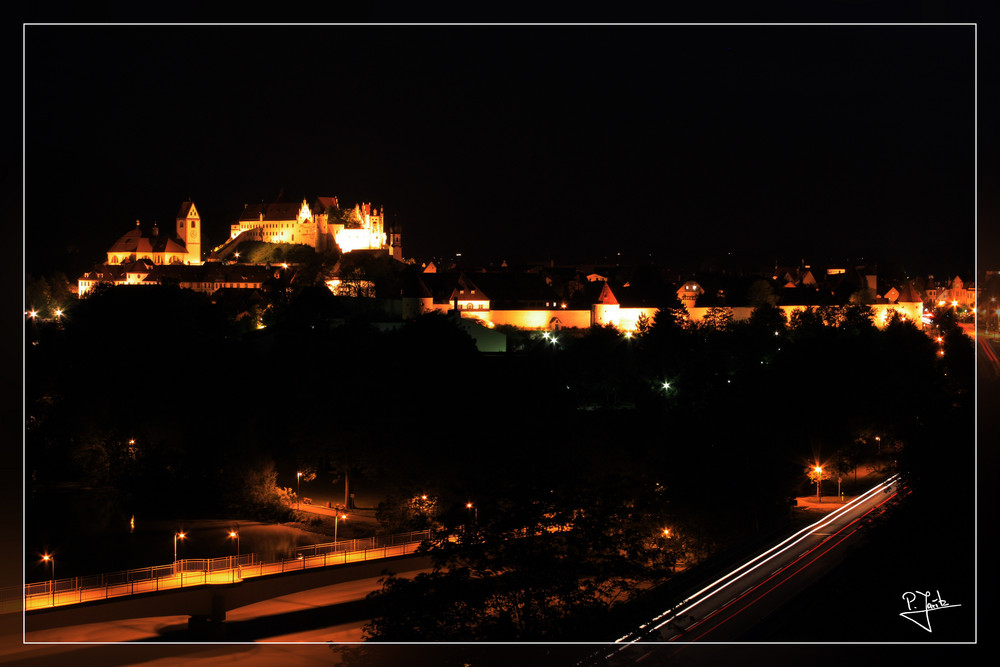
(189, 231)
(605, 310)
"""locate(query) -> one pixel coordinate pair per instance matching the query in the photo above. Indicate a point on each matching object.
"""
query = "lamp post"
(298, 485)
(52, 582)
(819, 480)
(176, 537)
(236, 535)
(336, 522)
(475, 511)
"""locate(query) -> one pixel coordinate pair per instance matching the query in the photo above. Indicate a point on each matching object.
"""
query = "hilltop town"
(288, 246)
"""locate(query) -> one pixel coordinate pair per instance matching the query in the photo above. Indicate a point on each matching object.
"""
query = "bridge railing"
(375, 542)
(201, 571)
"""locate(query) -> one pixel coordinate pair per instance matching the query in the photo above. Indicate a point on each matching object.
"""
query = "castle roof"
(607, 297)
(271, 212)
(907, 294)
(136, 241)
(323, 203)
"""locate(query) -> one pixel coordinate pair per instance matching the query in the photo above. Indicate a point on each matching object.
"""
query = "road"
(727, 609)
(989, 358)
(330, 613)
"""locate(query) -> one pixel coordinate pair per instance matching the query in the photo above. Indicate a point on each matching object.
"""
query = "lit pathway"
(69, 591)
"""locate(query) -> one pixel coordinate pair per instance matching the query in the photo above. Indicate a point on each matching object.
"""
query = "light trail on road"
(724, 592)
(843, 533)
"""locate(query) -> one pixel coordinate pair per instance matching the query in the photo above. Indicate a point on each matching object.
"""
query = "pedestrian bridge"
(205, 589)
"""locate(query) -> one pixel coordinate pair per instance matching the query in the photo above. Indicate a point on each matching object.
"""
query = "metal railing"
(203, 571)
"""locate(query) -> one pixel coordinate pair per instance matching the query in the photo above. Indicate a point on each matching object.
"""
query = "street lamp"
(819, 480)
(176, 537)
(336, 522)
(475, 511)
(52, 582)
(298, 485)
(234, 534)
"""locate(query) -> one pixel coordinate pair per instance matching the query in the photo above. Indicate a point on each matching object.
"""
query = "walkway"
(201, 572)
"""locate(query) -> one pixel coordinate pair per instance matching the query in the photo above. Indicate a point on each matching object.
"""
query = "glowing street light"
(298, 484)
(475, 511)
(819, 480)
(235, 535)
(336, 521)
(666, 532)
(177, 536)
(52, 582)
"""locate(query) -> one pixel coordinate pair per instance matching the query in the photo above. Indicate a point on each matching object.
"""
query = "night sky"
(828, 144)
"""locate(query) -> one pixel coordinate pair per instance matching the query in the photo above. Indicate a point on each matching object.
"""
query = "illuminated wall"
(628, 318)
(534, 319)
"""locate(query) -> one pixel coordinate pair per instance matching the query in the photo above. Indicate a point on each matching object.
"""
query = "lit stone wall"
(534, 319)
(628, 318)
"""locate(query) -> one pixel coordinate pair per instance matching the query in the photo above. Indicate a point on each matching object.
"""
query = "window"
(192, 224)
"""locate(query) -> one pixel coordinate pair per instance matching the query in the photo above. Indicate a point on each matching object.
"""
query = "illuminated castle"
(320, 226)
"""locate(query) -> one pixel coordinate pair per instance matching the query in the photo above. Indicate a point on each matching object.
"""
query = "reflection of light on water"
(131, 524)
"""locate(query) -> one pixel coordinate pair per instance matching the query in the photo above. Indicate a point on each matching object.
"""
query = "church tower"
(396, 242)
(189, 231)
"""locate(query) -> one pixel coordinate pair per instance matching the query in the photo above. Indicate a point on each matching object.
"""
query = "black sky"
(823, 143)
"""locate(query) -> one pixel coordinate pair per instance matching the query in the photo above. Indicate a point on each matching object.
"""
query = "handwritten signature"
(922, 616)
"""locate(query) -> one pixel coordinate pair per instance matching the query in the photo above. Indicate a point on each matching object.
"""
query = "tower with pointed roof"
(189, 231)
